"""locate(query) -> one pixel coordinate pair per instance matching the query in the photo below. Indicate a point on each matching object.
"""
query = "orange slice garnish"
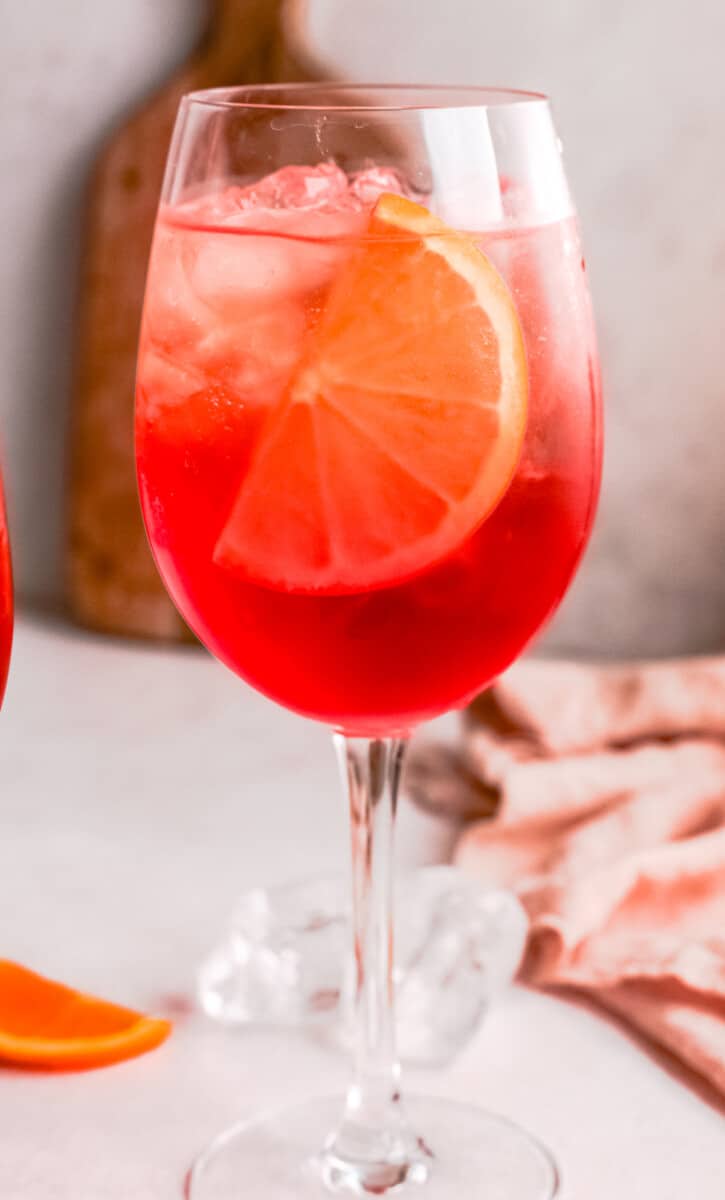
(403, 423)
(46, 1024)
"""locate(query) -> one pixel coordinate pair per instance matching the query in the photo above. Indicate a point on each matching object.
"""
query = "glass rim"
(389, 97)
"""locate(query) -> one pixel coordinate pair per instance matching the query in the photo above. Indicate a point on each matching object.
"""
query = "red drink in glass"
(227, 313)
(368, 450)
(6, 599)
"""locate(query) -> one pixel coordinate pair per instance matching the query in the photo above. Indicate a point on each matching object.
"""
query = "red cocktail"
(232, 312)
(6, 599)
(368, 438)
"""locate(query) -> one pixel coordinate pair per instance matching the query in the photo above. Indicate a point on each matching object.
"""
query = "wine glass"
(368, 445)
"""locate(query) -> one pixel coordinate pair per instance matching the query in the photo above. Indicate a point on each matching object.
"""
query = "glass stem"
(373, 1149)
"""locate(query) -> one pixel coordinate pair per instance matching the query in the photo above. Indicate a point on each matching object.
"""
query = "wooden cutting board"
(112, 583)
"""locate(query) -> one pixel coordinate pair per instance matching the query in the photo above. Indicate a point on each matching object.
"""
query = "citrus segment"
(402, 425)
(46, 1024)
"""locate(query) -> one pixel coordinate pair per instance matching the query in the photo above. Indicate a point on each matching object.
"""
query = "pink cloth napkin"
(608, 786)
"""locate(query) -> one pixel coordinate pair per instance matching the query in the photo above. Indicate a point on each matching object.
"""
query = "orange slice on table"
(402, 425)
(45, 1024)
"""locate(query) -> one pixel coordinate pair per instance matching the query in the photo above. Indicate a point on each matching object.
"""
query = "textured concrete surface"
(141, 789)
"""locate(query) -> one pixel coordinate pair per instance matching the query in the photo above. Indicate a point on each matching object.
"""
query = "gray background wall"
(639, 94)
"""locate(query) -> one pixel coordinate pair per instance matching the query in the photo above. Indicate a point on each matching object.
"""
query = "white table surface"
(142, 789)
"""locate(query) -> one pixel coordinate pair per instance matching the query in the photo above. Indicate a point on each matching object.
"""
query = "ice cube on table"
(280, 961)
(286, 960)
(459, 944)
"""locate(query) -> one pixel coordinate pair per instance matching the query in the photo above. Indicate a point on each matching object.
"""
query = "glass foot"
(465, 1153)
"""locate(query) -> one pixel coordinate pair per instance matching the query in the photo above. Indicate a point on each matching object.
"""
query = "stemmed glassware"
(6, 597)
(368, 440)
